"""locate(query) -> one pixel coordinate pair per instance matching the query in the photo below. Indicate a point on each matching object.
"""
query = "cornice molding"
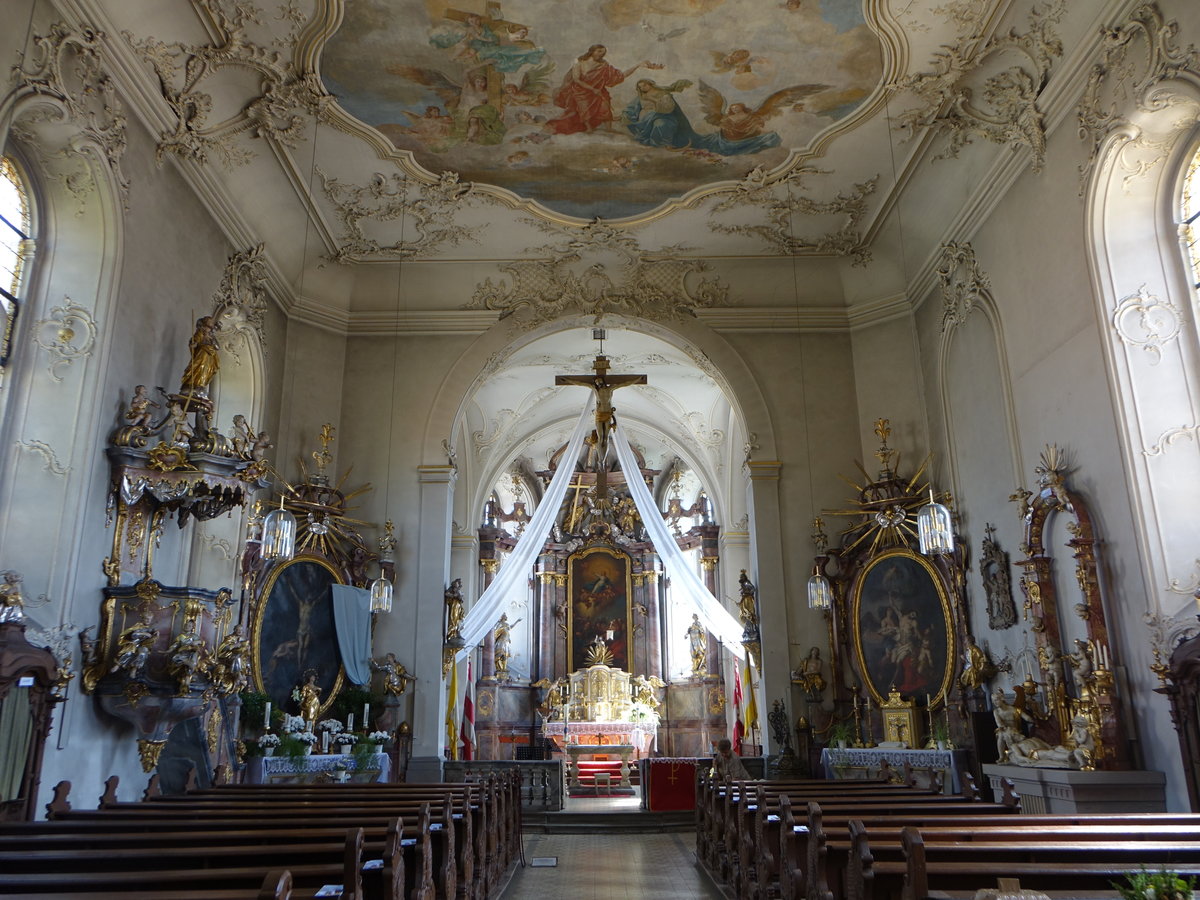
(764, 319)
(420, 323)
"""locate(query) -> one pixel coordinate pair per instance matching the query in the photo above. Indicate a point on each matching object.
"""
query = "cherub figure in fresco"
(738, 122)
(431, 128)
(583, 95)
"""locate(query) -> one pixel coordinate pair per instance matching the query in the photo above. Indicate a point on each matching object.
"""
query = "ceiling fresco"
(602, 109)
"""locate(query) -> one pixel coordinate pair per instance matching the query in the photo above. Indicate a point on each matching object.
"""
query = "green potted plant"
(1161, 885)
(940, 736)
(840, 735)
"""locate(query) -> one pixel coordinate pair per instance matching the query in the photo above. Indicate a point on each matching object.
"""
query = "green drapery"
(16, 728)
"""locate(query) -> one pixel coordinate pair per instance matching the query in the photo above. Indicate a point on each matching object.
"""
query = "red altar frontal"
(669, 784)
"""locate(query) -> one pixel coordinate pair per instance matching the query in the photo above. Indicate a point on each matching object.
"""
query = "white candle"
(267, 716)
(324, 741)
(350, 722)
(366, 716)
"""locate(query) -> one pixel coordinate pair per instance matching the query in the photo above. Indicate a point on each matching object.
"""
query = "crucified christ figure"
(604, 385)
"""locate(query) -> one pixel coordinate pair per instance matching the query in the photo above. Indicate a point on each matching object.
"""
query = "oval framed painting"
(294, 631)
(903, 627)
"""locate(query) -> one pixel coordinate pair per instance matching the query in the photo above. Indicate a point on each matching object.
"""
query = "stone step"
(607, 822)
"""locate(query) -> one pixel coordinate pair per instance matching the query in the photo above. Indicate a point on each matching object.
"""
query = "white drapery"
(716, 618)
(516, 569)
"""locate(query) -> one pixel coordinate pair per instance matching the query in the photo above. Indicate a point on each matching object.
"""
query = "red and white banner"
(468, 718)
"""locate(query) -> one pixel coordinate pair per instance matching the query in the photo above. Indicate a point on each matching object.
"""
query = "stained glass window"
(1191, 216)
(15, 244)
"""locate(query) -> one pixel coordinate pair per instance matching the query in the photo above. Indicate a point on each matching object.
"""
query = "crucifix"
(604, 385)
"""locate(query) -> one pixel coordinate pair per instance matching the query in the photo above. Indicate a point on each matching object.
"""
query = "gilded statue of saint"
(310, 699)
(455, 611)
(205, 361)
(395, 676)
(698, 643)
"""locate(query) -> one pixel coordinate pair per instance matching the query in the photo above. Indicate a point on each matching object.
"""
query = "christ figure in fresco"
(584, 95)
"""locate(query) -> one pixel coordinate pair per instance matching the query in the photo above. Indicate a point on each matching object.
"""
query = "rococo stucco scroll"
(428, 211)
(241, 300)
(67, 334)
(963, 282)
(962, 100)
(1136, 57)
(1143, 320)
(600, 269)
(278, 113)
(67, 68)
(782, 198)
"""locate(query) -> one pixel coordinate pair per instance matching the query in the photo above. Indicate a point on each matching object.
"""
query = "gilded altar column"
(490, 565)
(710, 555)
(432, 577)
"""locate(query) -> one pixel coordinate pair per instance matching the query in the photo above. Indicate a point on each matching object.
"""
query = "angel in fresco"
(738, 123)
(476, 110)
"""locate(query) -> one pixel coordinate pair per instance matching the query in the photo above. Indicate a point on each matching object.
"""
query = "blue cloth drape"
(352, 618)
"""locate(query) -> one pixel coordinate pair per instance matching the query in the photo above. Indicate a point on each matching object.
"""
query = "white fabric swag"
(515, 572)
(716, 618)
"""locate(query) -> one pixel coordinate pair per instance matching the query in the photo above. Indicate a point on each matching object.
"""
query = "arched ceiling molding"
(708, 349)
(1139, 117)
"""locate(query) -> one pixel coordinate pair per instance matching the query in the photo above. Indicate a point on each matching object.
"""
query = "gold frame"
(260, 612)
(946, 682)
(571, 560)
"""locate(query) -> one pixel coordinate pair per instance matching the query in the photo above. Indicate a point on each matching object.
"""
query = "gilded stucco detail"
(1136, 57)
(67, 66)
(988, 92)
(963, 282)
(595, 270)
(1146, 321)
(426, 209)
(278, 113)
(779, 200)
(67, 334)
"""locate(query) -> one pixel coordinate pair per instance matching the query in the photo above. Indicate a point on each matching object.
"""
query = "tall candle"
(324, 741)
(267, 716)
(350, 722)
(366, 716)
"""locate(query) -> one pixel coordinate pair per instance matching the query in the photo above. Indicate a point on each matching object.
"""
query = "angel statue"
(186, 653)
(134, 645)
(11, 601)
(231, 670)
(395, 676)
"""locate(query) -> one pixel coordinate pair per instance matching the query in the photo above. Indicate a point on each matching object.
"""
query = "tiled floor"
(612, 867)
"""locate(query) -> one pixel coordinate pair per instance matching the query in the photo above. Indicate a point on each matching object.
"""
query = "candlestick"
(366, 716)
(267, 717)
(324, 741)
(350, 722)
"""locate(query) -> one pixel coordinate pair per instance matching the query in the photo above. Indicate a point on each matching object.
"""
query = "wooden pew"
(276, 885)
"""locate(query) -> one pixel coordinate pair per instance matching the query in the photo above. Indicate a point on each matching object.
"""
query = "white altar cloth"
(634, 733)
(282, 769)
(868, 758)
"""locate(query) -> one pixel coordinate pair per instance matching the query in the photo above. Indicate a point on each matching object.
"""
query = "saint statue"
(232, 671)
(698, 642)
(455, 611)
(395, 676)
(133, 646)
(503, 638)
(205, 361)
(310, 699)
(809, 676)
(747, 606)
(185, 654)
(11, 601)
(1014, 747)
(978, 669)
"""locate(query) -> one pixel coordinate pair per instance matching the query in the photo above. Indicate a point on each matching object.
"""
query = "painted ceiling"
(603, 109)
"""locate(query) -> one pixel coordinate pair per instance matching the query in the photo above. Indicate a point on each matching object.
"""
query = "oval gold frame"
(260, 613)
(935, 578)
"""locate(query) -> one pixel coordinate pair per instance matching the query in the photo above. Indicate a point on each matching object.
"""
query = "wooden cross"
(604, 385)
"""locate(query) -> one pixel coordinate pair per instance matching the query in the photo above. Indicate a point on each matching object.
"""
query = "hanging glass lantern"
(279, 534)
(935, 530)
(381, 594)
(820, 591)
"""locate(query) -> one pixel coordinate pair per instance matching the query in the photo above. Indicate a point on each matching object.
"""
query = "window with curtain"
(1191, 217)
(15, 244)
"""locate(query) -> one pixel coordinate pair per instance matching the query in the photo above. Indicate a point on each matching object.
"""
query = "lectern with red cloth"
(671, 784)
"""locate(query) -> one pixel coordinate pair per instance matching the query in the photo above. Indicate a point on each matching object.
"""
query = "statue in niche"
(997, 585)
(1083, 669)
(698, 642)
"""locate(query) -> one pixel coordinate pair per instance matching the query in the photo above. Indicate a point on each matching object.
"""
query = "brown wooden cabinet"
(27, 677)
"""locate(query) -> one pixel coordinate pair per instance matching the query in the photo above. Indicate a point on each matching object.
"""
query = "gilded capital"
(490, 566)
(708, 563)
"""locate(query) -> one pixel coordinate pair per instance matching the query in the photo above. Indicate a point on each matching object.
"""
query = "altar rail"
(541, 780)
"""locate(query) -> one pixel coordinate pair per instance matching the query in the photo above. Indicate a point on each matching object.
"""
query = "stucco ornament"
(240, 301)
(989, 92)
(289, 95)
(1143, 320)
(65, 70)
(49, 458)
(1136, 57)
(1172, 436)
(963, 282)
(426, 210)
(782, 198)
(595, 270)
(67, 334)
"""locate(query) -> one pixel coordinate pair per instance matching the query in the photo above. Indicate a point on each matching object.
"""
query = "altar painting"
(605, 109)
(598, 585)
(294, 631)
(903, 630)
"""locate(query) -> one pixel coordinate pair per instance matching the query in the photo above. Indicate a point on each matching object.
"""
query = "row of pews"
(271, 842)
(877, 840)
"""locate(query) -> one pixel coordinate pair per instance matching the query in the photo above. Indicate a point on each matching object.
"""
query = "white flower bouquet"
(269, 740)
(378, 737)
(292, 724)
(345, 739)
(333, 726)
(305, 737)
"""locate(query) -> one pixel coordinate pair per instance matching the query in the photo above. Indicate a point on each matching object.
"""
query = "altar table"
(625, 751)
(633, 733)
(284, 770)
(835, 762)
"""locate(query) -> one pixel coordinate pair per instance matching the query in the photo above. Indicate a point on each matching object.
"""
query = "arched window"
(1191, 217)
(15, 245)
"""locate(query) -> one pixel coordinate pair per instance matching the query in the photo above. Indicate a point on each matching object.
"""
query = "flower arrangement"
(292, 724)
(643, 713)
(378, 737)
(345, 739)
(1161, 885)
(333, 726)
(269, 740)
(305, 737)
